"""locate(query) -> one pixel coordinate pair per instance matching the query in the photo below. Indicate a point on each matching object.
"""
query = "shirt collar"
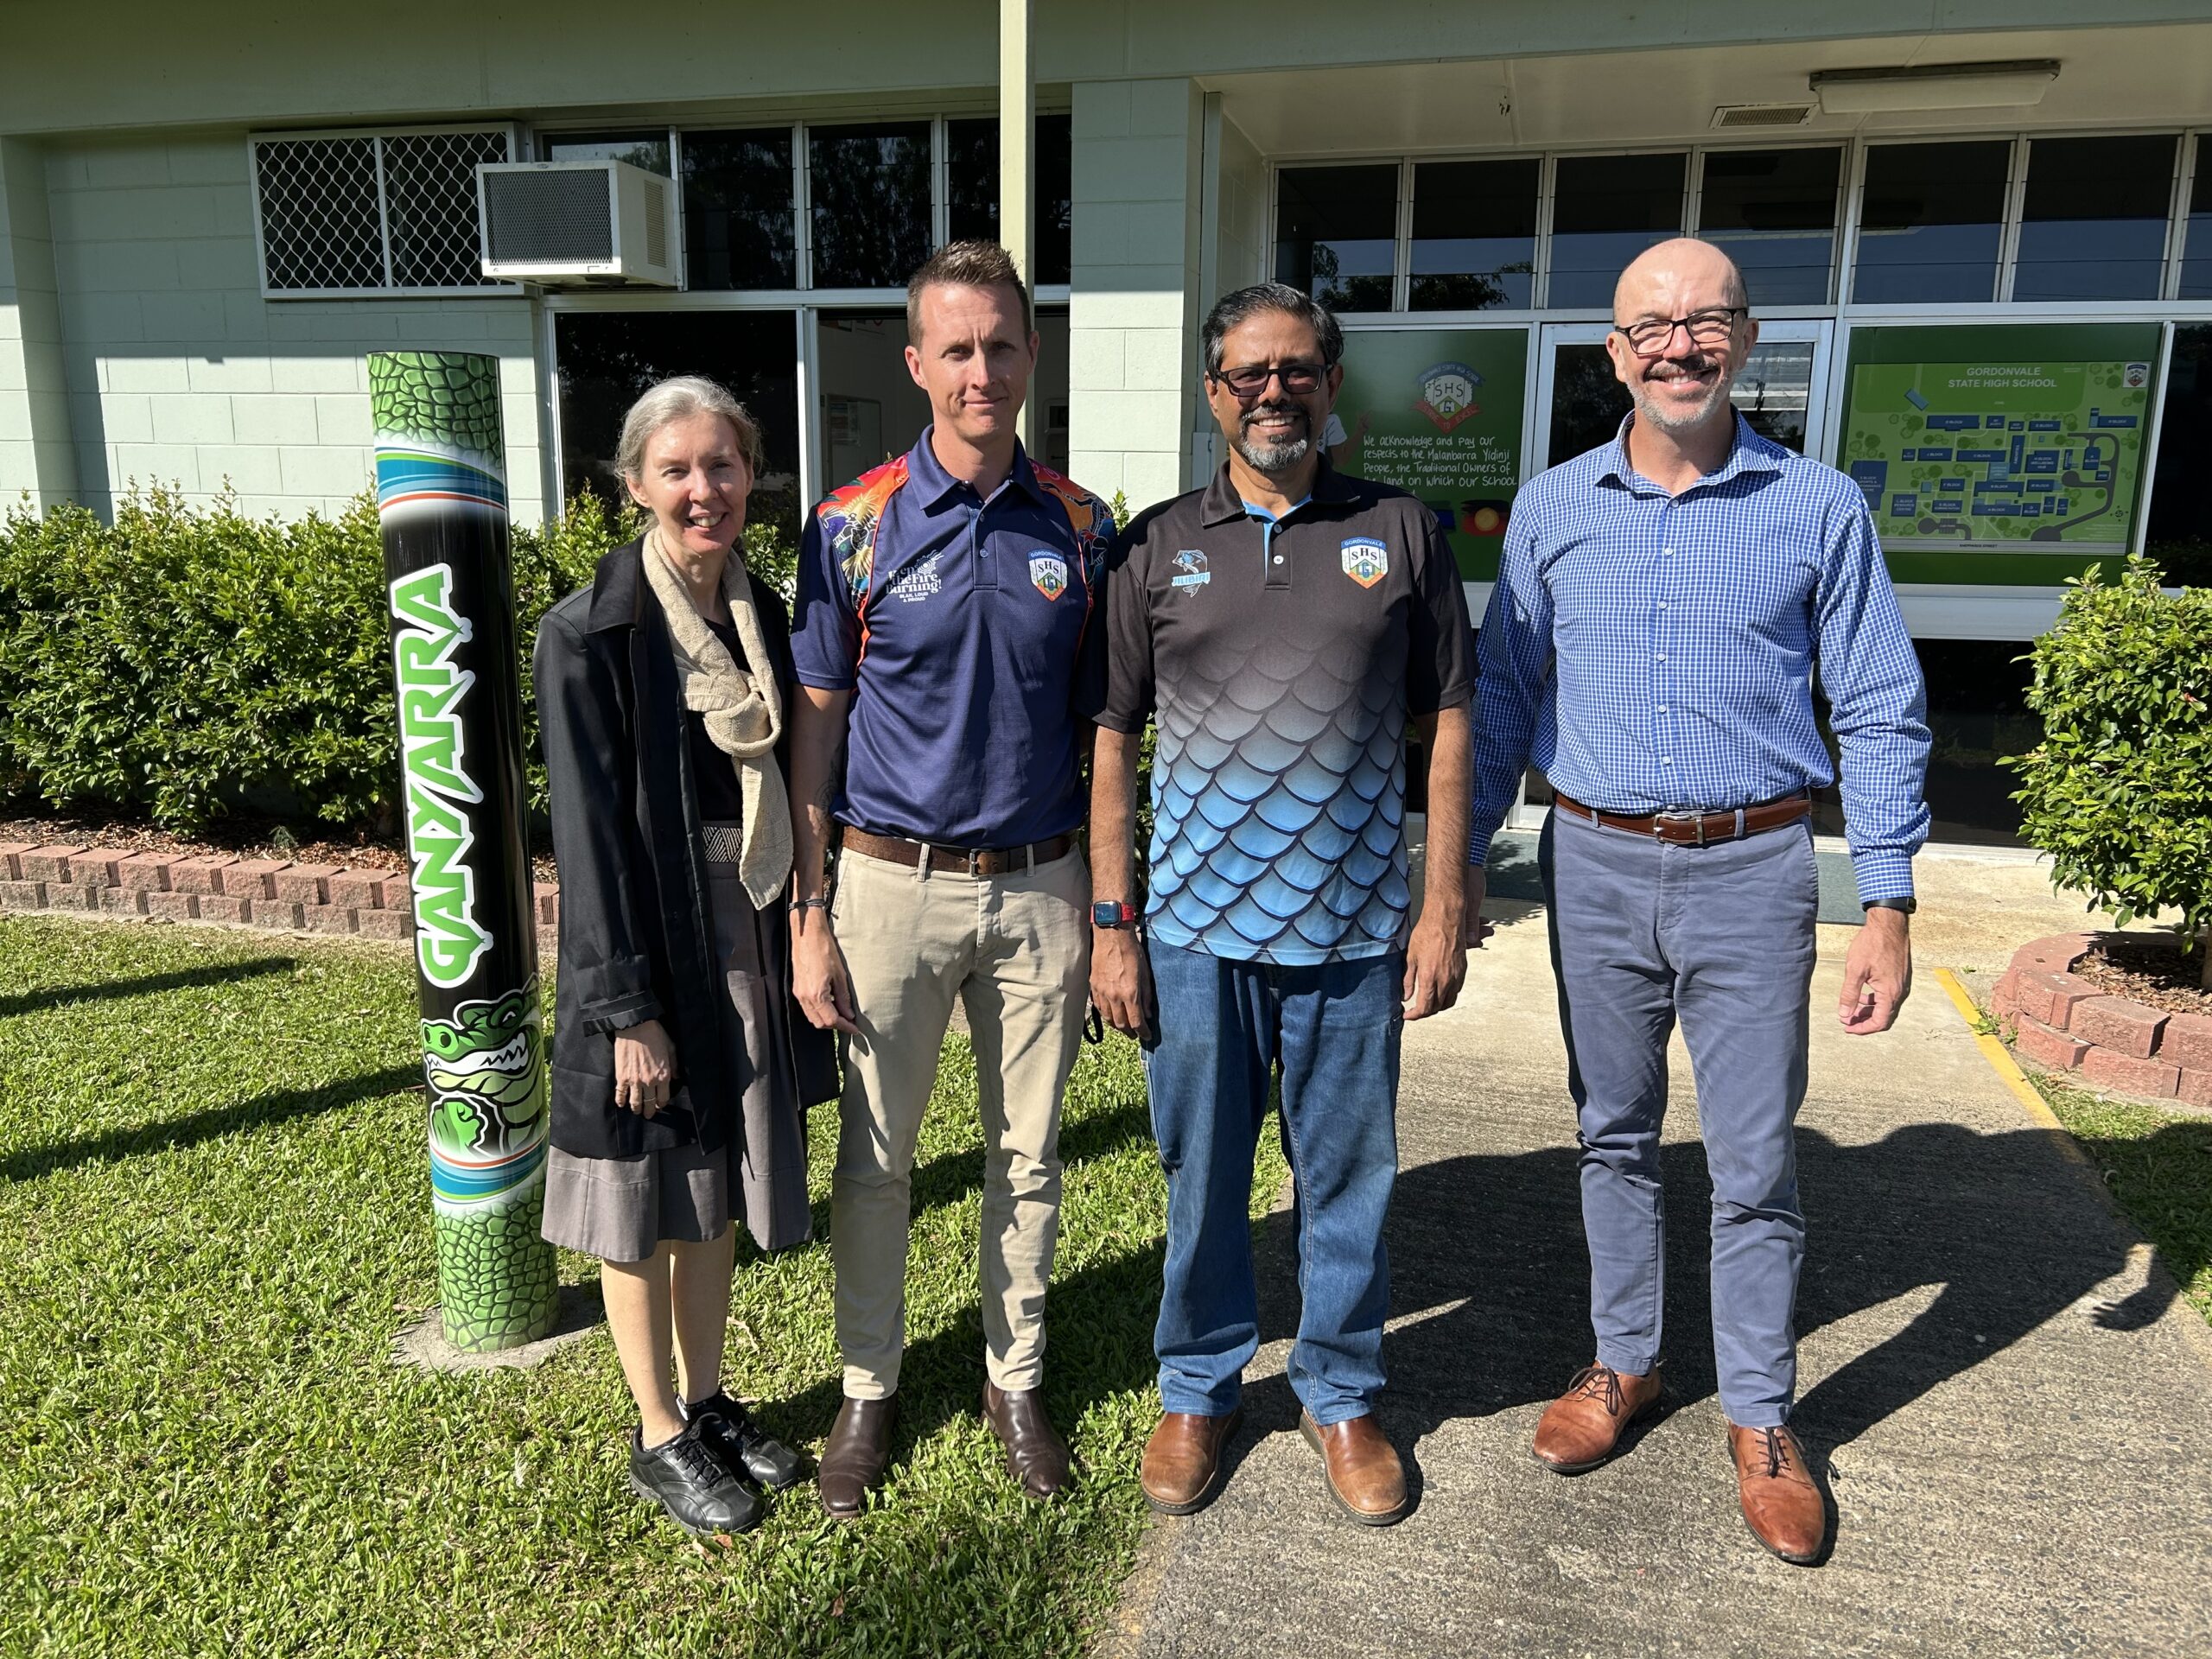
(934, 487)
(1747, 452)
(1224, 502)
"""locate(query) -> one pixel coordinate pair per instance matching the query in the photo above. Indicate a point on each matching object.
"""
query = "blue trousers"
(1721, 938)
(1224, 1029)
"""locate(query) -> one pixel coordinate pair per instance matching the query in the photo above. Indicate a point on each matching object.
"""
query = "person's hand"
(1436, 962)
(645, 1067)
(1121, 981)
(1876, 974)
(1476, 927)
(819, 977)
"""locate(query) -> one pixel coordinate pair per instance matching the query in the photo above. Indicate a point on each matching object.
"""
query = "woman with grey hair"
(680, 1076)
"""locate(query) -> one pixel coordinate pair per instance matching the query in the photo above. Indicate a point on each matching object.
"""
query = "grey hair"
(678, 399)
(1234, 309)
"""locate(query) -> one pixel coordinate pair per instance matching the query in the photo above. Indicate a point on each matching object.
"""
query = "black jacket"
(636, 935)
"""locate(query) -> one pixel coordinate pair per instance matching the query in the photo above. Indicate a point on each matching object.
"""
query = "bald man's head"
(1683, 265)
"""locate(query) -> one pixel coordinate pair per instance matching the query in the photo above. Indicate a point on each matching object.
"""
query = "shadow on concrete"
(62, 996)
(260, 1112)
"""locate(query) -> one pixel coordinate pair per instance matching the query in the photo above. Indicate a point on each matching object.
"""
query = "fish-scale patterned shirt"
(1282, 659)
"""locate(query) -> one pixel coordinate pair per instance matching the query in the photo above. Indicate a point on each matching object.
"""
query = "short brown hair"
(965, 264)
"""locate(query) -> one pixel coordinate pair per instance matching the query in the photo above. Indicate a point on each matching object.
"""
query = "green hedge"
(186, 661)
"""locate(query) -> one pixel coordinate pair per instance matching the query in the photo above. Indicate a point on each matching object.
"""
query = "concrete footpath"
(2014, 1409)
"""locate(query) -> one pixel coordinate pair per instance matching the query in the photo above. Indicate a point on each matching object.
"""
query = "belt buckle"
(1696, 818)
(975, 856)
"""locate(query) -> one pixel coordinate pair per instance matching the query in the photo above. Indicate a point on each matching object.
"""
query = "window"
(869, 188)
(972, 188)
(2196, 230)
(1605, 210)
(386, 212)
(1932, 223)
(1337, 234)
(647, 149)
(2093, 224)
(2180, 532)
(1474, 246)
(1774, 211)
(737, 209)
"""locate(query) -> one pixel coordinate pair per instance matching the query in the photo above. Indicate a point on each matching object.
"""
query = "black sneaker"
(688, 1480)
(742, 1445)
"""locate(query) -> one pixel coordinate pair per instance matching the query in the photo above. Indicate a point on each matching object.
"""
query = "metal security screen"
(374, 212)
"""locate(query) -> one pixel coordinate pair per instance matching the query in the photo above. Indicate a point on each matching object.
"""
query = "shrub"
(2119, 791)
(184, 662)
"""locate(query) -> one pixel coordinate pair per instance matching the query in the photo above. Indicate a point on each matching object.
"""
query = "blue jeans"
(1720, 937)
(1225, 1027)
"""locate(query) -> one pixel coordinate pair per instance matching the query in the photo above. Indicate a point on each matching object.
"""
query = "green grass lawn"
(212, 1153)
(2158, 1166)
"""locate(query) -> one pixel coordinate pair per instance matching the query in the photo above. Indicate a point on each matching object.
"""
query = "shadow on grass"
(262, 1111)
(2164, 1180)
(221, 972)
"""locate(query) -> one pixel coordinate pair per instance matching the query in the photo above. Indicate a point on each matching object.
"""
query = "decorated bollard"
(443, 507)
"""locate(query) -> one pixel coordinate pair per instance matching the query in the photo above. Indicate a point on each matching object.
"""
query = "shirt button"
(1662, 656)
(1666, 552)
(1666, 760)
(1662, 707)
(1662, 604)
(1278, 558)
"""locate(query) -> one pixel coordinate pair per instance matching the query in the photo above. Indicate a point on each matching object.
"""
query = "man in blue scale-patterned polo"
(1284, 625)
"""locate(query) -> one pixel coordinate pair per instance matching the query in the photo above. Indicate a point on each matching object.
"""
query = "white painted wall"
(178, 370)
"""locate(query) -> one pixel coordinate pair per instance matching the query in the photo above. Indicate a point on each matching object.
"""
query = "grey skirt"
(622, 1209)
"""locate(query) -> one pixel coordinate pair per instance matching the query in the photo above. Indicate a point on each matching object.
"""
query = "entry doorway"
(1580, 402)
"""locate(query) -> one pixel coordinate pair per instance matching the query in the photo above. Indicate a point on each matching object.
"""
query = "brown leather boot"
(1365, 1476)
(1782, 1502)
(1580, 1429)
(1182, 1460)
(858, 1452)
(1036, 1456)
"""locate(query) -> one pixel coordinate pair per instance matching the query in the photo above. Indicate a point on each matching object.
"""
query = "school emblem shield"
(1366, 560)
(1447, 394)
(1048, 573)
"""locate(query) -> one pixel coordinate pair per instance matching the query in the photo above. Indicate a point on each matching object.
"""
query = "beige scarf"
(745, 712)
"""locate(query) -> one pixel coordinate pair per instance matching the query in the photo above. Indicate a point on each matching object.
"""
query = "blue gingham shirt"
(1655, 653)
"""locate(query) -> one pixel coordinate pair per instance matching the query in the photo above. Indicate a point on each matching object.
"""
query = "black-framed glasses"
(1297, 378)
(1649, 338)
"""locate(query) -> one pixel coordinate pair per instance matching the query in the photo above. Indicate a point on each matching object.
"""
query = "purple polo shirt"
(967, 643)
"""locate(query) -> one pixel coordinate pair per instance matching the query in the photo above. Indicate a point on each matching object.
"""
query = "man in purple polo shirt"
(943, 642)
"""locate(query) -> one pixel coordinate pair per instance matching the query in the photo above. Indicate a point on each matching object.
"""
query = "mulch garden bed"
(236, 836)
(2150, 969)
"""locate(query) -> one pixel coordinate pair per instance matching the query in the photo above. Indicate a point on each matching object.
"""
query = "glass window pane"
(1930, 222)
(648, 148)
(1336, 233)
(871, 408)
(1605, 210)
(972, 167)
(1774, 211)
(737, 209)
(869, 191)
(2180, 534)
(607, 358)
(2093, 222)
(1774, 388)
(1474, 235)
(2197, 250)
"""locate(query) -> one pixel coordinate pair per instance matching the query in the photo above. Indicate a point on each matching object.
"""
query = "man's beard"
(1272, 457)
(1672, 417)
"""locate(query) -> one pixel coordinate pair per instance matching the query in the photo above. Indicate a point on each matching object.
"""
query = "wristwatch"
(1114, 912)
(1907, 904)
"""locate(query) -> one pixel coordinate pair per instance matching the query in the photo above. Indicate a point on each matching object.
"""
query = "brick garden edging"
(2063, 1023)
(264, 892)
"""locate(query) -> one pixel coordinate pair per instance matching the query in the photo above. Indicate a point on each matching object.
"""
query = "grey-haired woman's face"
(694, 481)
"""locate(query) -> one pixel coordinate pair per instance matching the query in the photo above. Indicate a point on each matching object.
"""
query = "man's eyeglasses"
(1649, 338)
(1298, 379)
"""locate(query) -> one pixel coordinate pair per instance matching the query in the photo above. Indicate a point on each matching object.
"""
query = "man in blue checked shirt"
(1662, 604)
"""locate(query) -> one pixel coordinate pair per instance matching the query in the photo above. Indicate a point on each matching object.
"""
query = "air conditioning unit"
(600, 223)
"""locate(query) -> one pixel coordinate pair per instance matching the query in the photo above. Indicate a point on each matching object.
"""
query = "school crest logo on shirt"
(1447, 394)
(1048, 573)
(1190, 569)
(1366, 560)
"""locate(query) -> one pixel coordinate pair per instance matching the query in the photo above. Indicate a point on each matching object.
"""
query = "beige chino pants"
(1016, 951)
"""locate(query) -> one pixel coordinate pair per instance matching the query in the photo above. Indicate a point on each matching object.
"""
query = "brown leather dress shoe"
(1365, 1476)
(1182, 1460)
(1581, 1428)
(1782, 1502)
(1036, 1456)
(858, 1452)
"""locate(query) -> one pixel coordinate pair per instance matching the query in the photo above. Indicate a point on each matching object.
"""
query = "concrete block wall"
(179, 370)
(1132, 321)
(35, 453)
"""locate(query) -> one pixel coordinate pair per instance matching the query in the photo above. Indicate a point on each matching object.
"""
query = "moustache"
(1681, 366)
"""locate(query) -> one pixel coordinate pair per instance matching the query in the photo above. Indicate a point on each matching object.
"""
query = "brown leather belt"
(1697, 828)
(959, 861)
